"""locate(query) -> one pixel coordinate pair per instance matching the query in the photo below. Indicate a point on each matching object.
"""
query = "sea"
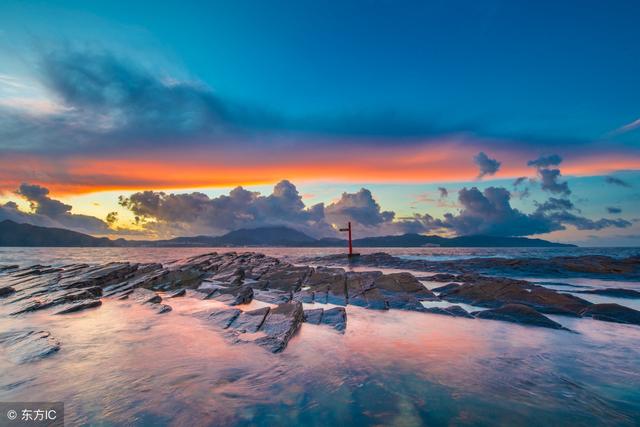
(122, 364)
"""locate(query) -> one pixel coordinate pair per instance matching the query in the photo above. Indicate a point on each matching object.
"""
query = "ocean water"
(122, 364)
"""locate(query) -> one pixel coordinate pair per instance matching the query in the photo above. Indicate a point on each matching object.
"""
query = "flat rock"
(613, 292)
(403, 282)
(145, 296)
(6, 290)
(313, 316)
(281, 324)
(518, 313)
(494, 292)
(29, 345)
(446, 288)
(335, 317)
(250, 321)
(162, 308)
(223, 318)
(453, 310)
(236, 295)
(612, 313)
(82, 305)
(177, 293)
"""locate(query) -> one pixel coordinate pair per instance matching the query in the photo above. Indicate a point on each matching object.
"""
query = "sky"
(511, 118)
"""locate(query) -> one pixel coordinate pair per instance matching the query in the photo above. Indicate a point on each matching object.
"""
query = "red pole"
(350, 245)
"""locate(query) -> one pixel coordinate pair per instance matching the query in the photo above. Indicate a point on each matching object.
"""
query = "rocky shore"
(288, 290)
(580, 266)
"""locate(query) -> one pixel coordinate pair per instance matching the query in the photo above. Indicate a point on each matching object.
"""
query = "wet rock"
(233, 295)
(453, 310)
(223, 318)
(280, 325)
(493, 292)
(446, 288)
(83, 305)
(272, 297)
(335, 317)
(6, 290)
(518, 313)
(232, 275)
(250, 321)
(286, 278)
(613, 292)
(313, 316)
(304, 296)
(145, 296)
(358, 283)
(162, 308)
(177, 293)
(28, 346)
(405, 283)
(612, 313)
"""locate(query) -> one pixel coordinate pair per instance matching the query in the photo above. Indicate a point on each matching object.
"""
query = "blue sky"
(290, 81)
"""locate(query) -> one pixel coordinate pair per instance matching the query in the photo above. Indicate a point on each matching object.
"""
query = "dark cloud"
(554, 204)
(519, 181)
(490, 212)
(545, 161)
(582, 223)
(549, 181)
(444, 193)
(616, 181)
(486, 165)
(197, 213)
(48, 212)
(614, 210)
(359, 207)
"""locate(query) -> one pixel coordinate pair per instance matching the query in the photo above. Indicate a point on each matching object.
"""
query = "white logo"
(12, 415)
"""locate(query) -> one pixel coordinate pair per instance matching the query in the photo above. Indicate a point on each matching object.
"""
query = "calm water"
(121, 364)
(59, 256)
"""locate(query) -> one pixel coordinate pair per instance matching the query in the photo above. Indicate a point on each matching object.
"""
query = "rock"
(403, 282)
(612, 313)
(162, 308)
(145, 296)
(304, 296)
(233, 295)
(6, 291)
(177, 293)
(280, 325)
(494, 292)
(224, 317)
(29, 345)
(83, 305)
(335, 317)
(518, 313)
(313, 316)
(250, 321)
(453, 310)
(613, 292)
(446, 288)
(272, 297)
(286, 278)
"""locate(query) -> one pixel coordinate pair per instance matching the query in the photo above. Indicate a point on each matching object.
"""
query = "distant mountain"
(264, 236)
(419, 240)
(14, 234)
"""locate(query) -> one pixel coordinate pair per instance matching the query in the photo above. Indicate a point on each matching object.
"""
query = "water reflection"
(123, 364)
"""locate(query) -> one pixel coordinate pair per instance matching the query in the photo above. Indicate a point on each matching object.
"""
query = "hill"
(14, 234)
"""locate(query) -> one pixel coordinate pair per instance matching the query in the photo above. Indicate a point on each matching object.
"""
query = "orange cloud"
(202, 167)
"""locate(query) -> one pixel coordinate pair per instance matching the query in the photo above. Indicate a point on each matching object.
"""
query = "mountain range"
(15, 234)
